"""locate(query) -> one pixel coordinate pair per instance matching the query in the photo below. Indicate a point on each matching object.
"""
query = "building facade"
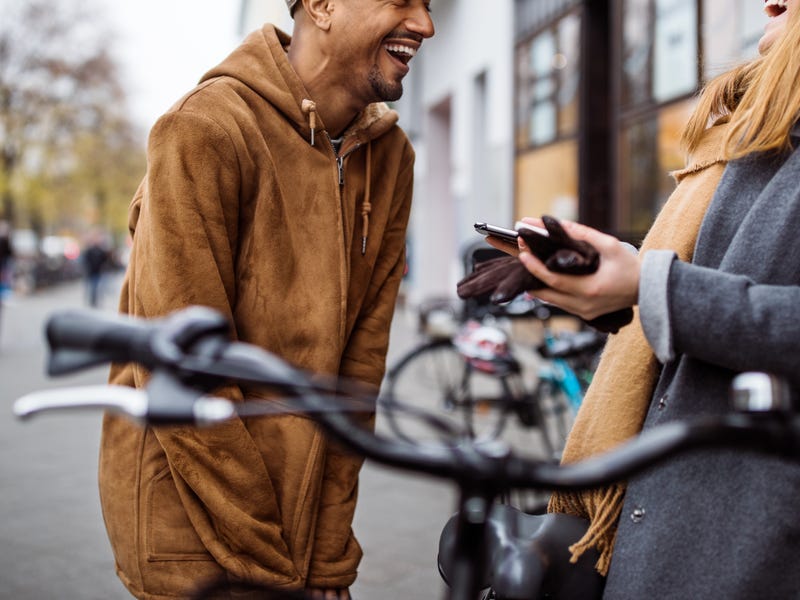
(598, 94)
(603, 89)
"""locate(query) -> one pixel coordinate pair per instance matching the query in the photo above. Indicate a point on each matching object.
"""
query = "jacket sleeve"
(735, 304)
(185, 238)
(336, 552)
(722, 318)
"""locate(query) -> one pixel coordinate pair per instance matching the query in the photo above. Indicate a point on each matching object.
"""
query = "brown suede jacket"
(239, 212)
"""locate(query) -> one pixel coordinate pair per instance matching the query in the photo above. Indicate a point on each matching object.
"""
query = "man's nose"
(420, 22)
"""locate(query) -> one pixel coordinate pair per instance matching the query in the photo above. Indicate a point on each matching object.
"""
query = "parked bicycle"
(467, 368)
(517, 556)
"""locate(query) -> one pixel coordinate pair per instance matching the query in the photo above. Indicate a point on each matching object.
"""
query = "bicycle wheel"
(437, 379)
(553, 410)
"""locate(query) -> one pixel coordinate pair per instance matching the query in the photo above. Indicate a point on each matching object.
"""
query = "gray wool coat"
(720, 523)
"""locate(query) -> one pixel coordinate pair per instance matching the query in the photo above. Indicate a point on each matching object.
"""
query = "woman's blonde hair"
(762, 98)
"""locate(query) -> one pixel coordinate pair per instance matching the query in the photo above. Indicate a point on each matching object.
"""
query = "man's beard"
(384, 90)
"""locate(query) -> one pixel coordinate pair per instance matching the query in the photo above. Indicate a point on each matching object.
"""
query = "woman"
(712, 302)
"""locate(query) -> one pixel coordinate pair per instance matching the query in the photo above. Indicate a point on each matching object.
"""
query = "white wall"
(257, 12)
(467, 66)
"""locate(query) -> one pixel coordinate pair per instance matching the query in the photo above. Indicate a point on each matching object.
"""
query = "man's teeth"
(398, 49)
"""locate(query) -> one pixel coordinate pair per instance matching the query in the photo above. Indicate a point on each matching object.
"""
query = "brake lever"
(116, 398)
(165, 401)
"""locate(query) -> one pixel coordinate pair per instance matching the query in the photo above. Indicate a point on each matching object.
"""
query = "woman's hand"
(614, 286)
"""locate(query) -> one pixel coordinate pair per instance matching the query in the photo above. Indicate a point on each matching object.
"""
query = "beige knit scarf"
(616, 403)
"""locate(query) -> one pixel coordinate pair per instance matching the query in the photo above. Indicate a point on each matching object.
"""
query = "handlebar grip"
(79, 339)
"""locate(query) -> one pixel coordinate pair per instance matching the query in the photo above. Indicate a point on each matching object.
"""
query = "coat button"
(637, 516)
(662, 402)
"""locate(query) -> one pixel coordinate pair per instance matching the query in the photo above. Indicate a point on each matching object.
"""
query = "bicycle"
(467, 368)
(191, 353)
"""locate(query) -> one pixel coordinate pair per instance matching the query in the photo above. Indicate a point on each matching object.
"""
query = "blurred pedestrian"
(6, 256)
(96, 258)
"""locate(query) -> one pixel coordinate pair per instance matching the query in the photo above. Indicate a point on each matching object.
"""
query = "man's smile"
(401, 52)
(402, 46)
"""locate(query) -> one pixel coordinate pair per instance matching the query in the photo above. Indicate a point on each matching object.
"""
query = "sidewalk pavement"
(400, 515)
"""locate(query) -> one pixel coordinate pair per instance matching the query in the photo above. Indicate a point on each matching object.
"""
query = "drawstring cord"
(366, 206)
(309, 107)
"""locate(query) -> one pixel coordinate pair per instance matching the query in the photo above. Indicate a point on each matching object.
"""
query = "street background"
(52, 540)
(574, 109)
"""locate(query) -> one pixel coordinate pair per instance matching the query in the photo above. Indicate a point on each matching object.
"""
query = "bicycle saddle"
(528, 556)
(573, 345)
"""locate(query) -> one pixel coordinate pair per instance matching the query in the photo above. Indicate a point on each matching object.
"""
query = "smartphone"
(505, 234)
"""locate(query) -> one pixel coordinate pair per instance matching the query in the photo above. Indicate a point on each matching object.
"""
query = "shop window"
(547, 181)
(675, 52)
(649, 151)
(659, 51)
(567, 65)
(637, 44)
(640, 173)
(548, 80)
(660, 74)
(731, 31)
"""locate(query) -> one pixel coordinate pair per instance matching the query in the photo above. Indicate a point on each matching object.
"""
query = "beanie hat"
(291, 4)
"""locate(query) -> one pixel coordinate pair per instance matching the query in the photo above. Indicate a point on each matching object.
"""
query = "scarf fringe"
(605, 508)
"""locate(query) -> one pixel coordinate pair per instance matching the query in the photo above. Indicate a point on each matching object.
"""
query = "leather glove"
(502, 279)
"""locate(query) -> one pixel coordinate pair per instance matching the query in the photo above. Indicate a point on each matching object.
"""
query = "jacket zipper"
(340, 159)
(340, 169)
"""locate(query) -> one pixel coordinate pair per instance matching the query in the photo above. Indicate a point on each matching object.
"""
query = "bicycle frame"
(563, 377)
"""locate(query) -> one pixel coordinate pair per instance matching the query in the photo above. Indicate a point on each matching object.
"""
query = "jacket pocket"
(169, 534)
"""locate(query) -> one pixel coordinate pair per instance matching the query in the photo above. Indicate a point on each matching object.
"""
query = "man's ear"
(320, 12)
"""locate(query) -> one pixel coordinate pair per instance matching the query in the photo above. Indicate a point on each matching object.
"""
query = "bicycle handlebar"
(80, 339)
(190, 353)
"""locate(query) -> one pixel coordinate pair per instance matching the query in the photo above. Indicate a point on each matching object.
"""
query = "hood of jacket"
(265, 51)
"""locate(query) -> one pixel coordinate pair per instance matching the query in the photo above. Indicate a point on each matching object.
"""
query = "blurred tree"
(69, 155)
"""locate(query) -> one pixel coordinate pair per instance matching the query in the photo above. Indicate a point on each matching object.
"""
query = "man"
(278, 192)
(96, 259)
(6, 255)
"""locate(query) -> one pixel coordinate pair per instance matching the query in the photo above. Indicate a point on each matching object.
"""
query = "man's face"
(375, 41)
